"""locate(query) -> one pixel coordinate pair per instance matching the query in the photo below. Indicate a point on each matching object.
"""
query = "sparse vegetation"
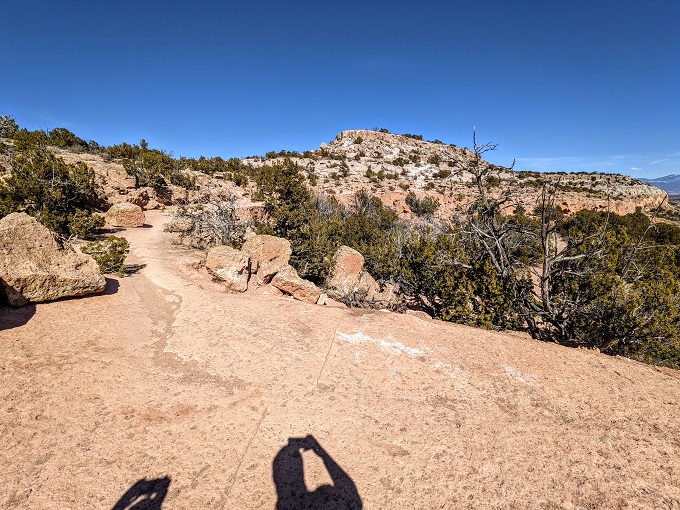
(110, 254)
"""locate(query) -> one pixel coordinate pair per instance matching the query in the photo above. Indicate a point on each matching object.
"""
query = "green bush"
(85, 225)
(46, 187)
(110, 254)
(422, 206)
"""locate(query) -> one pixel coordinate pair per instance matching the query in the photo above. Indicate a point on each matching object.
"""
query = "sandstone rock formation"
(348, 278)
(288, 281)
(146, 198)
(36, 266)
(125, 214)
(229, 265)
(268, 255)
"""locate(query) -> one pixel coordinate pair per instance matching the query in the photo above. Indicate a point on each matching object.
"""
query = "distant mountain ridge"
(668, 183)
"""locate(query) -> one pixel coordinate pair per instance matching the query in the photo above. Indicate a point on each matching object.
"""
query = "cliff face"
(391, 165)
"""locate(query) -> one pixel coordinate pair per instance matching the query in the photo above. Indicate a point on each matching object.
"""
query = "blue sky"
(560, 85)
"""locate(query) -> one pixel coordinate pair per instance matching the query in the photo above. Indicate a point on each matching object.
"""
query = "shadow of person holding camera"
(144, 495)
(292, 493)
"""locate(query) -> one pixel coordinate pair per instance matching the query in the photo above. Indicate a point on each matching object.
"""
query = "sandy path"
(166, 376)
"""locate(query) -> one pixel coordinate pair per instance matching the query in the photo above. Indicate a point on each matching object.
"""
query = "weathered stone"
(272, 253)
(322, 299)
(179, 195)
(229, 265)
(146, 198)
(288, 281)
(36, 266)
(420, 314)
(348, 277)
(179, 225)
(265, 290)
(125, 214)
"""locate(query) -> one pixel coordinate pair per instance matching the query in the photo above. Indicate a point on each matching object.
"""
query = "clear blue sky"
(560, 85)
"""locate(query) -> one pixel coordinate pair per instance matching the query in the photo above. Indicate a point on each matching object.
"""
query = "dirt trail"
(167, 376)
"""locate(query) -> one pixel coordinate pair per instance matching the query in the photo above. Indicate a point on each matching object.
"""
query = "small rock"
(419, 313)
(265, 290)
(289, 282)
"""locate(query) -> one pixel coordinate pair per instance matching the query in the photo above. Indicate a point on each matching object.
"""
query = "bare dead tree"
(213, 220)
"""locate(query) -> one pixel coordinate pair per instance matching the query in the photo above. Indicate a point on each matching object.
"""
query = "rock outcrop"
(288, 281)
(36, 266)
(268, 255)
(229, 265)
(348, 280)
(125, 214)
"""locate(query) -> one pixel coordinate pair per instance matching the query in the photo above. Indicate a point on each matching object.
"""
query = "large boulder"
(229, 265)
(348, 278)
(36, 265)
(288, 281)
(125, 214)
(268, 255)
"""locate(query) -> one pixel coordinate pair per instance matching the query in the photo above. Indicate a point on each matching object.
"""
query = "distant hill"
(668, 183)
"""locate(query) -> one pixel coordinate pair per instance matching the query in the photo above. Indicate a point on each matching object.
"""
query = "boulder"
(146, 198)
(348, 277)
(268, 255)
(125, 214)
(180, 225)
(288, 281)
(229, 265)
(36, 265)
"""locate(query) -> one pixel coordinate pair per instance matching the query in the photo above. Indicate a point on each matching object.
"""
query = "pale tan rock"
(272, 253)
(179, 225)
(125, 214)
(36, 266)
(146, 198)
(332, 303)
(229, 265)
(348, 277)
(322, 299)
(288, 281)
(265, 290)
(179, 195)
(420, 314)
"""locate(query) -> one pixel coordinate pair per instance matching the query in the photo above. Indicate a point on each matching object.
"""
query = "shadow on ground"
(291, 491)
(11, 317)
(144, 495)
(289, 478)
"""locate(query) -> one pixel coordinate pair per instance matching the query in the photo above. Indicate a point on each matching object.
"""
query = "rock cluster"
(36, 265)
(261, 266)
(349, 281)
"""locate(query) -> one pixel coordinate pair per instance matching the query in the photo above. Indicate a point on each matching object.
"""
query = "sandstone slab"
(36, 266)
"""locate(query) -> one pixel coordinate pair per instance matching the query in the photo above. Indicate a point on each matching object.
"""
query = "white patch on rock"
(516, 374)
(393, 347)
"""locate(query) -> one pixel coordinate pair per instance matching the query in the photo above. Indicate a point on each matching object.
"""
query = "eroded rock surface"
(36, 266)
(229, 265)
(268, 255)
(288, 281)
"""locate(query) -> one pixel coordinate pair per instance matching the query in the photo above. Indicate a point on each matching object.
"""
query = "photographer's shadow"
(288, 472)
